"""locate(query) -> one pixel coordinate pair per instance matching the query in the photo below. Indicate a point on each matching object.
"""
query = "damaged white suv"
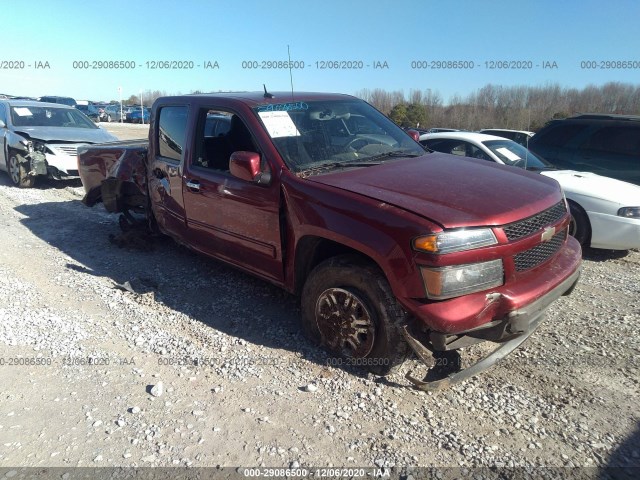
(42, 139)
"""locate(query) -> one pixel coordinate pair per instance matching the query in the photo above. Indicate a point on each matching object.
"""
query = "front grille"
(526, 227)
(540, 253)
(71, 150)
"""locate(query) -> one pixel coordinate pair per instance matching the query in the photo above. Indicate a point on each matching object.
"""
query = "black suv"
(608, 145)
(90, 111)
(55, 99)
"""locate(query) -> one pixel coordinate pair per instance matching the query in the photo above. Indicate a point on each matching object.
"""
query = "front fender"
(16, 142)
(380, 231)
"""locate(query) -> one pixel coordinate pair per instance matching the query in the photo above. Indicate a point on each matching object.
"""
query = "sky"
(449, 47)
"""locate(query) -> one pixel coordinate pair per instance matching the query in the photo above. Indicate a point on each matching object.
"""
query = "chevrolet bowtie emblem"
(548, 234)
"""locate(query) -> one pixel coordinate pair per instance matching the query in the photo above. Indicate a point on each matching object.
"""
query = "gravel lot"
(194, 363)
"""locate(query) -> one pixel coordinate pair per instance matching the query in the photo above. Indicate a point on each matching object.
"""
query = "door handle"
(193, 185)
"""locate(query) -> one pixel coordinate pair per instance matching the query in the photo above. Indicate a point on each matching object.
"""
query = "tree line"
(149, 96)
(497, 106)
(492, 106)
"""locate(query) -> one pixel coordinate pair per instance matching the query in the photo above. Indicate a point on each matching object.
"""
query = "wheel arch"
(580, 208)
(313, 250)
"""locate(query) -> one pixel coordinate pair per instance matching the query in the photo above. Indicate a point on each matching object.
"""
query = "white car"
(42, 139)
(605, 213)
(519, 136)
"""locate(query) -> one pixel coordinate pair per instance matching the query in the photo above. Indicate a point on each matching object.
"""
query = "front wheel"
(348, 308)
(18, 173)
(579, 226)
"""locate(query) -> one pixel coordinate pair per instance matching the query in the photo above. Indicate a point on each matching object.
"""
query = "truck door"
(165, 169)
(230, 218)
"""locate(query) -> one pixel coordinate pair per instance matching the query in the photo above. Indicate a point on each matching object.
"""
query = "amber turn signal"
(428, 243)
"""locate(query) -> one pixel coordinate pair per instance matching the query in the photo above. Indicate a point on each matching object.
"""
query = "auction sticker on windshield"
(508, 153)
(279, 124)
(22, 111)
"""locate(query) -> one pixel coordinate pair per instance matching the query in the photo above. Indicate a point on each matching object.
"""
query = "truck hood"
(452, 191)
(63, 134)
(596, 186)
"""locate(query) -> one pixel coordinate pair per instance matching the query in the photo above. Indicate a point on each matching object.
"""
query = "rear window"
(217, 125)
(172, 128)
(500, 133)
(559, 135)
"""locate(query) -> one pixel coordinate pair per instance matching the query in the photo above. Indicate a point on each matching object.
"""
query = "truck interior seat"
(217, 152)
(239, 136)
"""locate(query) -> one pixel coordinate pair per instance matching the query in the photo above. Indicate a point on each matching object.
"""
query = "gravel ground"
(193, 363)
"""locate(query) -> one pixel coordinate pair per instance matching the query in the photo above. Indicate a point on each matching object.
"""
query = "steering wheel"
(361, 142)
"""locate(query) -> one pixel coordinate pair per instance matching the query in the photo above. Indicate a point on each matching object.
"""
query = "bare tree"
(516, 107)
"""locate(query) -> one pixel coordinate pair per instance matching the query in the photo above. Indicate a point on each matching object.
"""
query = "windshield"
(49, 117)
(512, 153)
(317, 134)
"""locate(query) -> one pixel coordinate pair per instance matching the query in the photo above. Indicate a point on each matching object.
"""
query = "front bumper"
(64, 158)
(614, 232)
(478, 309)
(509, 333)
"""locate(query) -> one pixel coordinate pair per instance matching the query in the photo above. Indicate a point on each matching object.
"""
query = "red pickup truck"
(391, 248)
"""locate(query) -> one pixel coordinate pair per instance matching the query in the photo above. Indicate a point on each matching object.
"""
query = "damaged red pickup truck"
(391, 248)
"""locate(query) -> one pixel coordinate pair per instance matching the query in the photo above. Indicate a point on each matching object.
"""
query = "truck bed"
(114, 174)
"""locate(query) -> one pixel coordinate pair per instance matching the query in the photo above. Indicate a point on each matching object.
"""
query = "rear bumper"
(509, 333)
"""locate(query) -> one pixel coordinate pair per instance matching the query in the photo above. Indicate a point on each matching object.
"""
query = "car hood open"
(64, 134)
(452, 191)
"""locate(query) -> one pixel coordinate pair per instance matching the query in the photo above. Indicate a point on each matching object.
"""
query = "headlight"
(456, 241)
(39, 147)
(454, 281)
(629, 212)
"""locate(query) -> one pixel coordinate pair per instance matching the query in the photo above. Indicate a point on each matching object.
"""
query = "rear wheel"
(18, 172)
(348, 308)
(579, 226)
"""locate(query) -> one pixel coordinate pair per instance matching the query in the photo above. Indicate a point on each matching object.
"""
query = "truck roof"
(253, 99)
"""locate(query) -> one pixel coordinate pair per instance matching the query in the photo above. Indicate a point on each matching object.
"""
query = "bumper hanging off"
(508, 334)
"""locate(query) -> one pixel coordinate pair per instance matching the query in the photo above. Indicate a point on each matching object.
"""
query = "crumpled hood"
(71, 135)
(593, 185)
(450, 190)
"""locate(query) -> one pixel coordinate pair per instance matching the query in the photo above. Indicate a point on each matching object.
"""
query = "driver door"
(227, 217)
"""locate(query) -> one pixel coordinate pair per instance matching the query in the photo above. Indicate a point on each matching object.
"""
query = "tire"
(580, 227)
(352, 280)
(18, 173)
